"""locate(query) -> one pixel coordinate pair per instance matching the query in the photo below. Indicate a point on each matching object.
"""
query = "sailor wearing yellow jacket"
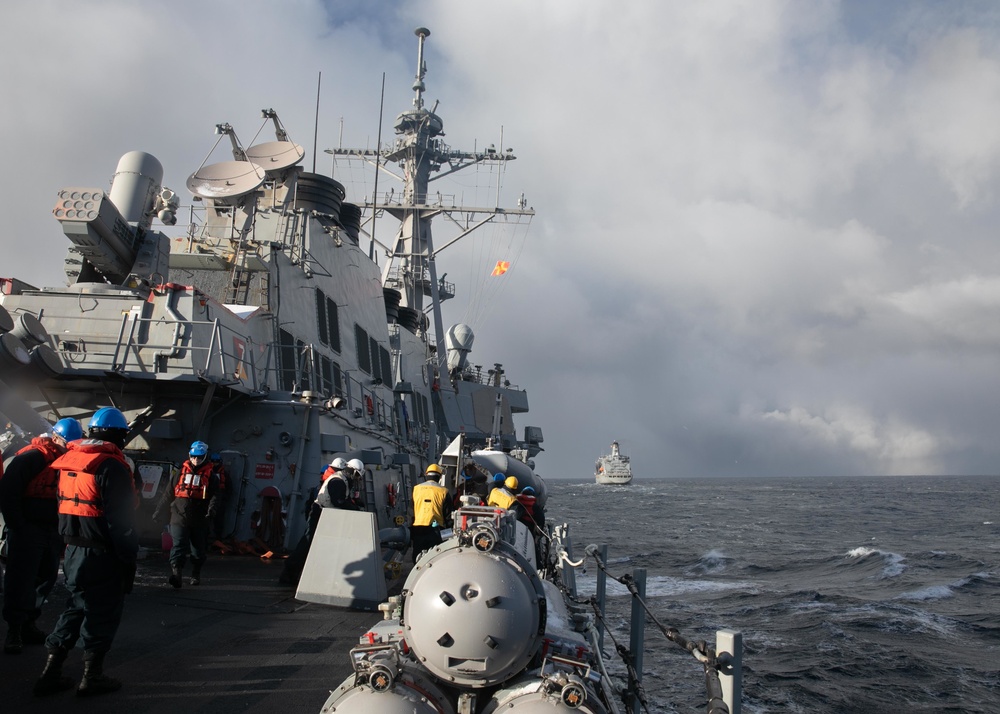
(431, 511)
(504, 496)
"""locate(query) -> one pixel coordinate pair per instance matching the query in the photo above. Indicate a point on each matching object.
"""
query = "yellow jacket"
(431, 502)
(501, 498)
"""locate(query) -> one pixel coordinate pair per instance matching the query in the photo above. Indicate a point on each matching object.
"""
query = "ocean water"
(852, 594)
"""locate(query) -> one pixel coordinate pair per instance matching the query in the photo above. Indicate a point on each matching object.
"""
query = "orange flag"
(502, 267)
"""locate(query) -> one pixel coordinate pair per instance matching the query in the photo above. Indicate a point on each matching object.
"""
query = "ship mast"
(420, 153)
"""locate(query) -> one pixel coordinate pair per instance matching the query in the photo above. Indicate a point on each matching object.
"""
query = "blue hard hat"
(68, 429)
(198, 448)
(498, 478)
(108, 418)
(528, 490)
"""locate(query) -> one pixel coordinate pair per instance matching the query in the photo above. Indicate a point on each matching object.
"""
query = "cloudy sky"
(766, 233)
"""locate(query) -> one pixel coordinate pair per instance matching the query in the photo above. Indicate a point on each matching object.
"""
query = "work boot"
(94, 681)
(32, 635)
(175, 576)
(196, 574)
(52, 679)
(14, 642)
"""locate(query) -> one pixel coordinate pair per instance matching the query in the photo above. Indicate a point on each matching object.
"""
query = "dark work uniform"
(192, 501)
(30, 510)
(334, 492)
(97, 501)
(432, 508)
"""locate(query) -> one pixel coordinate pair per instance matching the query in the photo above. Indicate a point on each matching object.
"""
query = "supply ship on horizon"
(614, 468)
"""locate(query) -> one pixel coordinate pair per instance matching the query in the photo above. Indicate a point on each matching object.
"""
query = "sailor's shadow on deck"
(344, 566)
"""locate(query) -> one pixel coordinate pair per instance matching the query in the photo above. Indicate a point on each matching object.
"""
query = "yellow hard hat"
(434, 469)
(511, 483)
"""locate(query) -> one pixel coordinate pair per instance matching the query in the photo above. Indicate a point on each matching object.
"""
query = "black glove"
(128, 577)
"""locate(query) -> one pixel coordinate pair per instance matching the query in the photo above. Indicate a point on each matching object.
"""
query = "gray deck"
(239, 642)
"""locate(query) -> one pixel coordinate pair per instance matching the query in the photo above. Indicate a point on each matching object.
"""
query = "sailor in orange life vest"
(97, 500)
(31, 512)
(432, 507)
(192, 503)
(532, 513)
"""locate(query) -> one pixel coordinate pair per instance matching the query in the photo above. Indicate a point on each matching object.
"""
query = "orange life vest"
(193, 482)
(528, 502)
(44, 484)
(330, 471)
(79, 494)
(220, 471)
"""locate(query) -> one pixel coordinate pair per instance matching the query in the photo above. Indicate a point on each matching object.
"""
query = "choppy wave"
(894, 562)
(714, 561)
(849, 598)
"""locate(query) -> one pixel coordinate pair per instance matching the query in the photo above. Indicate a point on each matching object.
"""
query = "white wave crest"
(894, 562)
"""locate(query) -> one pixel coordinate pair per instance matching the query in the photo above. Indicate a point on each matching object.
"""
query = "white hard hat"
(357, 464)
(338, 463)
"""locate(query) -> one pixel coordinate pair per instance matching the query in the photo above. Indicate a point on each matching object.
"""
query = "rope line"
(700, 650)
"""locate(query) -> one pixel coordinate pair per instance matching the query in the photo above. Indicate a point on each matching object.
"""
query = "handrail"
(717, 700)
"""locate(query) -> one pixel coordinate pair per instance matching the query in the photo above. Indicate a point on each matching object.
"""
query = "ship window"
(324, 332)
(333, 321)
(328, 377)
(303, 366)
(364, 356)
(328, 321)
(286, 357)
(383, 354)
(416, 408)
(420, 414)
(376, 364)
(323, 368)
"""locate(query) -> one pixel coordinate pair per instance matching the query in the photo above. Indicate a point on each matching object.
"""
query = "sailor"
(472, 483)
(219, 470)
(354, 472)
(431, 511)
(34, 546)
(333, 492)
(532, 513)
(192, 501)
(503, 496)
(96, 509)
(465, 485)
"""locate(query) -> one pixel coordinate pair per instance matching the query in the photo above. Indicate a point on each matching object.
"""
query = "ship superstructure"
(268, 329)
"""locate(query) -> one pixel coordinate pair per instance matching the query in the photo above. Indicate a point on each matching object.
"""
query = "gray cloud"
(765, 233)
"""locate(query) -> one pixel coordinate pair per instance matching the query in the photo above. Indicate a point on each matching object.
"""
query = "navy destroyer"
(269, 330)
